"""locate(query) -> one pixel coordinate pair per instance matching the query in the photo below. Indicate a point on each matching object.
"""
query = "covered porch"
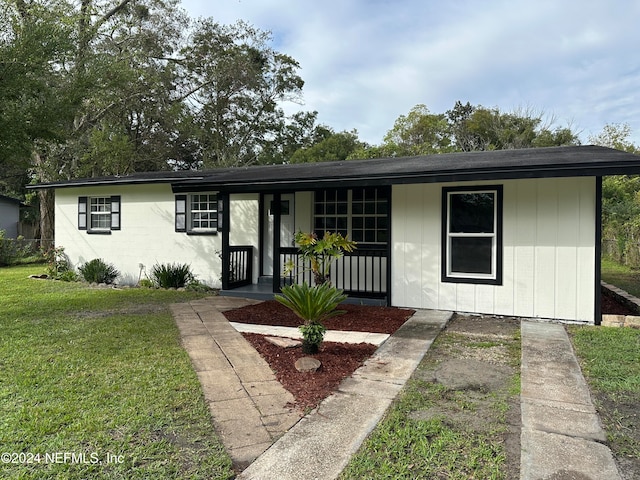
(259, 241)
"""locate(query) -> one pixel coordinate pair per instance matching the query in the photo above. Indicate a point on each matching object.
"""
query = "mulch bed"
(339, 360)
(358, 318)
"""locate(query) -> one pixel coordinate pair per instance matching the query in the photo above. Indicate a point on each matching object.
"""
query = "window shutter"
(82, 213)
(115, 212)
(181, 213)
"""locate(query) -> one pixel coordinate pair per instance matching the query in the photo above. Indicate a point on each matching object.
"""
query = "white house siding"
(548, 251)
(147, 234)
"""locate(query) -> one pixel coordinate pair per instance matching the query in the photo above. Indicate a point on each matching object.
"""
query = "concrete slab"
(553, 456)
(561, 432)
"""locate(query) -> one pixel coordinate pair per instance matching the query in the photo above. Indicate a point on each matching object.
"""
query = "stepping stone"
(307, 364)
(283, 342)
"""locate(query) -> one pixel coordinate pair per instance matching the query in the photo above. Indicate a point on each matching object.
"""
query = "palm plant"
(321, 252)
(313, 305)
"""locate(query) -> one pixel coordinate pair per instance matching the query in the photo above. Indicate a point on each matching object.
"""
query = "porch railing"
(361, 273)
(240, 265)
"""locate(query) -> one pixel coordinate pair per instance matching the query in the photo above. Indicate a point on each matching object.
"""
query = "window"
(99, 214)
(472, 235)
(197, 213)
(360, 213)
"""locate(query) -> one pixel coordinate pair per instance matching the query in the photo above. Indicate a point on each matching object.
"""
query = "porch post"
(389, 245)
(598, 252)
(276, 242)
(225, 216)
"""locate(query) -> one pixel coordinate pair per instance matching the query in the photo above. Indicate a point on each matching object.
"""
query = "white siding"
(147, 236)
(548, 251)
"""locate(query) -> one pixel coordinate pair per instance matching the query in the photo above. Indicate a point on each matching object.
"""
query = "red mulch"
(612, 307)
(359, 318)
(339, 360)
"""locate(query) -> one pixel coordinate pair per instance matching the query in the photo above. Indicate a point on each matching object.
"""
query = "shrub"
(57, 262)
(98, 271)
(171, 275)
(313, 305)
(8, 251)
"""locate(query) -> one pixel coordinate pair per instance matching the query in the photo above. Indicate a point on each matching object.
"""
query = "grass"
(621, 276)
(99, 374)
(609, 359)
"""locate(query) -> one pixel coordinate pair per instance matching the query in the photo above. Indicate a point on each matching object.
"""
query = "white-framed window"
(197, 213)
(472, 235)
(99, 214)
(361, 213)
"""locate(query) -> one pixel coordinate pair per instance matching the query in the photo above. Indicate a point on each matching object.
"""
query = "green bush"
(313, 305)
(57, 263)
(171, 275)
(8, 251)
(98, 271)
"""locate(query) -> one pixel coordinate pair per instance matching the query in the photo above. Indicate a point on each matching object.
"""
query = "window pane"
(472, 212)
(471, 255)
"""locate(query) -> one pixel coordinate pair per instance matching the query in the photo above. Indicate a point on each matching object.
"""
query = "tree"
(335, 146)
(420, 132)
(236, 84)
(620, 200)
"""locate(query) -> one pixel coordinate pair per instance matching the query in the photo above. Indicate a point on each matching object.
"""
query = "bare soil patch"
(477, 360)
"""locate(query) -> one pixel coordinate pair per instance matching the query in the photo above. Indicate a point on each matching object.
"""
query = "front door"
(287, 228)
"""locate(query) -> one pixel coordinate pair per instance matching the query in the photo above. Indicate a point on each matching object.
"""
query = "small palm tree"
(313, 305)
(321, 252)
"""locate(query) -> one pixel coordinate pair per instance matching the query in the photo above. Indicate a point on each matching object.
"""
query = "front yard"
(95, 384)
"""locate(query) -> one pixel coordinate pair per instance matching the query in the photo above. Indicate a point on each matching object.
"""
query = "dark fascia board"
(12, 200)
(452, 167)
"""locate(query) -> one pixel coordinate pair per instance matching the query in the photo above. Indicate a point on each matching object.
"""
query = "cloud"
(367, 62)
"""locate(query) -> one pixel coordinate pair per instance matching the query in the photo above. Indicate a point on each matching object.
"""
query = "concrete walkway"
(561, 435)
(249, 406)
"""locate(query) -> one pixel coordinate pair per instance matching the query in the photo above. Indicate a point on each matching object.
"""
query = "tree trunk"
(46, 198)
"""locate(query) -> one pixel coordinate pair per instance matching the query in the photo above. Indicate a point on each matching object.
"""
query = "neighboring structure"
(511, 232)
(9, 216)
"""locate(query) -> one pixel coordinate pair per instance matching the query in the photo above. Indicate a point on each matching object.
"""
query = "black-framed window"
(361, 213)
(99, 214)
(197, 213)
(472, 234)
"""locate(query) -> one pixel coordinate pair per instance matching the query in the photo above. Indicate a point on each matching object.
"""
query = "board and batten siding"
(548, 251)
(147, 235)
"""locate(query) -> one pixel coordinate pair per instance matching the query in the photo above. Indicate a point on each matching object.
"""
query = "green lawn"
(94, 384)
(621, 276)
(610, 361)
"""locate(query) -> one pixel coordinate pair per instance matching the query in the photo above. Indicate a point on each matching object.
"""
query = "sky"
(366, 62)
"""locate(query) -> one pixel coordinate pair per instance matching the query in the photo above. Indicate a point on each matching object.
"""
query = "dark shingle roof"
(493, 165)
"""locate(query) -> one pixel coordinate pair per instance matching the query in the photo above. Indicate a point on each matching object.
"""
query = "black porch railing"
(240, 265)
(361, 273)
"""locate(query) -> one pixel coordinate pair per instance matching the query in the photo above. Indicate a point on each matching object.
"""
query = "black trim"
(116, 217)
(277, 220)
(226, 254)
(389, 249)
(499, 242)
(180, 222)
(98, 232)
(204, 234)
(83, 217)
(598, 252)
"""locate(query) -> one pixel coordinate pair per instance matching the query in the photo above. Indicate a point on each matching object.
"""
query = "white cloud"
(366, 62)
